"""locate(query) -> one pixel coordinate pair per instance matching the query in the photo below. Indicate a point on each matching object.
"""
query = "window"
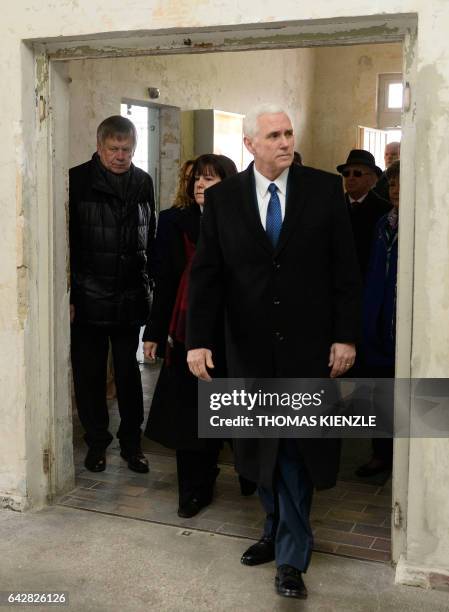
(389, 101)
(374, 141)
(389, 109)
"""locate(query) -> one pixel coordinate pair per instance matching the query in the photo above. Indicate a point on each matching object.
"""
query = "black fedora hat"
(361, 158)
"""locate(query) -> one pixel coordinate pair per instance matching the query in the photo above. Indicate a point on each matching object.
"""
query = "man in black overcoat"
(112, 224)
(365, 207)
(276, 252)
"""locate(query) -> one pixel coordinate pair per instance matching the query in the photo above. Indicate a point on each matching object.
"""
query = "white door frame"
(52, 127)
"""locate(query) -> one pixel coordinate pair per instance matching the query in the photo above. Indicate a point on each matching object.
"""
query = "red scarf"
(177, 327)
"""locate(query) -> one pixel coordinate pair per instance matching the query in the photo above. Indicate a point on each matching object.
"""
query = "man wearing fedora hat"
(360, 174)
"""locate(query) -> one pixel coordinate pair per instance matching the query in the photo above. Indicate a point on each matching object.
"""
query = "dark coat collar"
(100, 183)
(188, 220)
(371, 202)
(295, 200)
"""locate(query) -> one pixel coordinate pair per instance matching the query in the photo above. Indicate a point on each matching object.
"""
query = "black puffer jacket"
(111, 236)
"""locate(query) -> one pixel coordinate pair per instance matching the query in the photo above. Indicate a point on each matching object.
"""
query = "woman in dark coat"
(379, 315)
(173, 415)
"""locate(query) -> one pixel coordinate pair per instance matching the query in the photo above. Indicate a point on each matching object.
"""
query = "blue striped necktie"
(274, 216)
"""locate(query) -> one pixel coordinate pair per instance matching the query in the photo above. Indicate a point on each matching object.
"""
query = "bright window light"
(139, 116)
(394, 136)
(395, 95)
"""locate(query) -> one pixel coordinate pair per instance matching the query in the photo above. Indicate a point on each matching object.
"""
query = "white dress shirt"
(263, 195)
(360, 200)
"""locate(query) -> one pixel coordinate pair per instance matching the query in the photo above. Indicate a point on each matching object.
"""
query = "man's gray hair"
(250, 126)
(116, 127)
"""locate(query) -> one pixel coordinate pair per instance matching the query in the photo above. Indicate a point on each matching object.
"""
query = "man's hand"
(149, 350)
(197, 360)
(72, 313)
(341, 358)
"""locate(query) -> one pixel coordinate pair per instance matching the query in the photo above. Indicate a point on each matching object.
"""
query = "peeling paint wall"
(24, 355)
(14, 284)
(345, 96)
(232, 82)
(170, 153)
(428, 520)
(329, 91)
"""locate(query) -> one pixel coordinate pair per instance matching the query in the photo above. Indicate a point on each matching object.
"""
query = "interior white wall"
(345, 96)
(232, 82)
(21, 305)
(328, 91)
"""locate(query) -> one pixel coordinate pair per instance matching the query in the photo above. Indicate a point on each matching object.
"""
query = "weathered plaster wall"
(428, 531)
(170, 152)
(329, 91)
(20, 168)
(15, 173)
(344, 96)
(233, 82)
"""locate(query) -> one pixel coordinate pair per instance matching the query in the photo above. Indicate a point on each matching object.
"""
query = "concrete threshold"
(111, 563)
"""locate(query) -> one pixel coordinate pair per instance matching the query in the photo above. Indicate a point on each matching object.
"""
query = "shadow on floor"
(352, 519)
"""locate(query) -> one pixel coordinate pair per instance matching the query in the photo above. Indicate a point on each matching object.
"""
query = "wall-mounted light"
(406, 97)
(154, 92)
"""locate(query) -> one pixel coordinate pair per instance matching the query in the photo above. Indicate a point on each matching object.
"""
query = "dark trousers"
(287, 508)
(197, 471)
(89, 350)
(383, 450)
(269, 502)
(383, 402)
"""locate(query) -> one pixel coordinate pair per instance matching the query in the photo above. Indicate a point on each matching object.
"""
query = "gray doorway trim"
(53, 313)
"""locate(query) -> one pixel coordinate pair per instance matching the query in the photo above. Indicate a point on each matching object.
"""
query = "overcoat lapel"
(188, 220)
(295, 201)
(250, 210)
(297, 189)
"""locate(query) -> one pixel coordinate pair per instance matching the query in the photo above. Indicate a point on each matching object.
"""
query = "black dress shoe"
(289, 582)
(247, 487)
(192, 507)
(260, 552)
(95, 460)
(137, 462)
(367, 470)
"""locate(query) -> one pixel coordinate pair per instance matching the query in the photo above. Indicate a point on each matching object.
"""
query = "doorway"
(59, 94)
(147, 153)
(157, 151)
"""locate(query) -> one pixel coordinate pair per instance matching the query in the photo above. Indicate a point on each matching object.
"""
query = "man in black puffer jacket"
(112, 224)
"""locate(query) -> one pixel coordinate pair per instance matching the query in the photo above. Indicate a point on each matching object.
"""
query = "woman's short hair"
(209, 163)
(393, 171)
(116, 127)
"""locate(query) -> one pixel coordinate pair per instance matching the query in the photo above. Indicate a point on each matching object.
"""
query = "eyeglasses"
(356, 173)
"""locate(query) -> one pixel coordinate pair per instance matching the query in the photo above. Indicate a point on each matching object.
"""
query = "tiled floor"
(353, 519)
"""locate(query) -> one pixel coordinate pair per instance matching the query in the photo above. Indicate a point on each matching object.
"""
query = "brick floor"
(353, 519)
